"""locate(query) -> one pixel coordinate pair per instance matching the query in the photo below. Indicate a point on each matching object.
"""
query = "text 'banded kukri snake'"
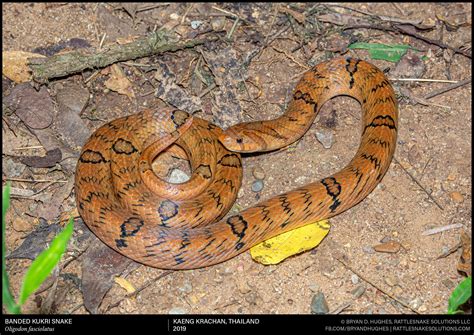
(181, 226)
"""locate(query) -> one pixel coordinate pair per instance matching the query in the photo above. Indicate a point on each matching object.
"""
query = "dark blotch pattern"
(167, 210)
(130, 227)
(123, 147)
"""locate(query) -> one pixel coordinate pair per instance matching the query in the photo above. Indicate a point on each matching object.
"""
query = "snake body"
(180, 226)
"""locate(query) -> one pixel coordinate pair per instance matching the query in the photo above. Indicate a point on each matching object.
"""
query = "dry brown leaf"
(119, 83)
(15, 65)
(464, 264)
(300, 17)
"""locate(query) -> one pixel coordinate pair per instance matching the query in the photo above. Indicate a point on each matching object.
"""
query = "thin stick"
(438, 230)
(231, 31)
(418, 183)
(102, 40)
(151, 7)
(144, 286)
(62, 65)
(405, 31)
(187, 12)
(37, 180)
(448, 88)
(32, 147)
(341, 308)
(207, 90)
(377, 287)
(425, 80)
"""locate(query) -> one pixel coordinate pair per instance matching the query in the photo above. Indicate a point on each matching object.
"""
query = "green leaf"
(7, 296)
(45, 263)
(391, 53)
(460, 295)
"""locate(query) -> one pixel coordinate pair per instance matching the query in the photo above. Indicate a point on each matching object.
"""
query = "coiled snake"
(180, 226)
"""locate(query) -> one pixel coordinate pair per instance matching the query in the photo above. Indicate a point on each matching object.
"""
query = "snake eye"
(239, 140)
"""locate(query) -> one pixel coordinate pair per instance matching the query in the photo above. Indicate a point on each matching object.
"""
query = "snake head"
(240, 140)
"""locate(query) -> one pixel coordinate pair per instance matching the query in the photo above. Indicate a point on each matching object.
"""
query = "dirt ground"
(427, 186)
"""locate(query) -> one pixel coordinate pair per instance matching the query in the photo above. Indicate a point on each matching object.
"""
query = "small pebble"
(368, 249)
(415, 303)
(257, 186)
(391, 280)
(186, 288)
(251, 298)
(403, 263)
(195, 24)
(177, 310)
(456, 197)
(354, 279)
(451, 177)
(385, 239)
(325, 137)
(358, 291)
(258, 173)
(319, 304)
(390, 247)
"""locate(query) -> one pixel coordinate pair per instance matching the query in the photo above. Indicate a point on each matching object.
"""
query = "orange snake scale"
(181, 226)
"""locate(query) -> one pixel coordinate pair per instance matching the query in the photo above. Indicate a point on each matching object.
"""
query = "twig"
(448, 88)
(72, 310)
(424, 80)
(190, 6)
(397, 6)
(207, 90)
(341, 308)
(74, 62)
(377, 287)
(418, 183)
(230, 13)
(231, 31)
(381, 17)
(438, 230)
(450, 251)
(102, 40)
(257, 52)
(402, 30)
(290, 57)
(144, 286)
(37, 180)
(31, 147)
(144, 8)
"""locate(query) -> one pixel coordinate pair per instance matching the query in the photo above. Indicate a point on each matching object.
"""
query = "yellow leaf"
(119, 83)
(15, 65)
(278, 248)
(125, 284)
